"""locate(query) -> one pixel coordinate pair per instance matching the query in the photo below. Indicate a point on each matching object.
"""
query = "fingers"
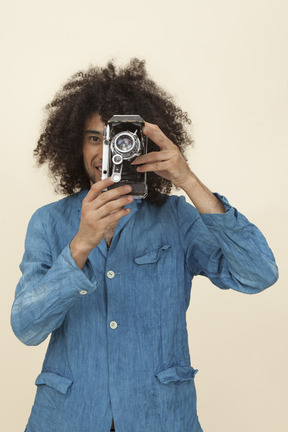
(114, 217)
(105, 203)
(92, 227)
(154, 133)
(97, 188)
(154, 161)
(112, 199)
(97, 191)
(152, 157)
(156, 166)
(112, 207)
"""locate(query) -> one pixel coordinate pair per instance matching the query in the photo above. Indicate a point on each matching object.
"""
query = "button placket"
(110, 275)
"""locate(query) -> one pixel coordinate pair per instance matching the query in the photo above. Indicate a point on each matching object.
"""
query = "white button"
(113, 325)
(83, 292)
(110, 274)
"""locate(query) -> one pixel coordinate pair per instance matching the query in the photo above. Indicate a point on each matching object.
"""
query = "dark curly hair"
(107, 91)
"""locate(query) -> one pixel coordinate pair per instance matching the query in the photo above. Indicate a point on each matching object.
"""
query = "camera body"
(123, 141)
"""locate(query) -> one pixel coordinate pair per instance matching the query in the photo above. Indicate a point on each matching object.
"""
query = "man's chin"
(94, 178)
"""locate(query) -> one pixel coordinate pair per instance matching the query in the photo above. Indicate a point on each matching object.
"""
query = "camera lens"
(124, 143)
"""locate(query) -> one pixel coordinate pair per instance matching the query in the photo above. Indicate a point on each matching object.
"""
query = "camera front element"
(126, 144)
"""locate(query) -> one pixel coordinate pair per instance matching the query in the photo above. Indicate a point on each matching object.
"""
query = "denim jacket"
(119, 343)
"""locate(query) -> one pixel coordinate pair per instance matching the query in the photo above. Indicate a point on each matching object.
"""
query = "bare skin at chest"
(109, 232)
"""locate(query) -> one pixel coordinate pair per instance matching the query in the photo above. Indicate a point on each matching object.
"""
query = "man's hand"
(99, 210)
(168, 162)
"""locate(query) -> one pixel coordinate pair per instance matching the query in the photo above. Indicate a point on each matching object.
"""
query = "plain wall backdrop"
(226, 64)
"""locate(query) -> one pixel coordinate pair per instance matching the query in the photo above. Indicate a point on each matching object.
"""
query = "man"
(109, 276)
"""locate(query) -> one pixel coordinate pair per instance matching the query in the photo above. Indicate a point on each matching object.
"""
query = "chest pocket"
(153, 256)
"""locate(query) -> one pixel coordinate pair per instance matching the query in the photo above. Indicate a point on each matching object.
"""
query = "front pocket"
(152, 256)
(57, 382)
(176, 374)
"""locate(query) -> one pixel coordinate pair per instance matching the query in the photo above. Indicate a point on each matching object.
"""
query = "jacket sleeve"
(46, 289)
(226, 248)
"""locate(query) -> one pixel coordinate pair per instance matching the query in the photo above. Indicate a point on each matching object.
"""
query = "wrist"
(189, 182)
(202, 198)
(79, 251)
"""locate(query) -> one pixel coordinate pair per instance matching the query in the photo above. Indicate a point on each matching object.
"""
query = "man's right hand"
(99, 210)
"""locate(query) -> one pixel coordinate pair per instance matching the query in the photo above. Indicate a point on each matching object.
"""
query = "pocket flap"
(51, 379)
(176, 373)
(153, 256)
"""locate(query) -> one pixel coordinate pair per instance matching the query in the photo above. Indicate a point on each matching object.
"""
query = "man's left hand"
(168, 162)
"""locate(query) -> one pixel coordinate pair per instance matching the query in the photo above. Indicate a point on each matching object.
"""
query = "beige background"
(226, 63)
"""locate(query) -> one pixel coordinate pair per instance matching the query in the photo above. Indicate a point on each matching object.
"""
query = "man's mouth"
(99, 168)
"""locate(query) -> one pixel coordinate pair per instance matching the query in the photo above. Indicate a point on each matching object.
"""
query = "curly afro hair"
(107, 91)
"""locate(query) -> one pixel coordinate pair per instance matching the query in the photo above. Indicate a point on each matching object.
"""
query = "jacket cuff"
(85, 281)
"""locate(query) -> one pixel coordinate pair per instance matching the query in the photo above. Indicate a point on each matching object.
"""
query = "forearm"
(202, 198)
(227, 249)
(44, 297)
(79, 252)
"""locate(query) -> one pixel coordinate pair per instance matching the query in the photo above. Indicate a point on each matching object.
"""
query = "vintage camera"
(123, 141)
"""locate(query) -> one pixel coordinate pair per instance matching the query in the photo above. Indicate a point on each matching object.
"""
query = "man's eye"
(94, 138)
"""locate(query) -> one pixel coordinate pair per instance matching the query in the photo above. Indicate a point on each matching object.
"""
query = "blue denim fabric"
(119, 345)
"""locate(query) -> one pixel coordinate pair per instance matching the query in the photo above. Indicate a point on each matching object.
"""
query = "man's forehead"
(94, 123)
